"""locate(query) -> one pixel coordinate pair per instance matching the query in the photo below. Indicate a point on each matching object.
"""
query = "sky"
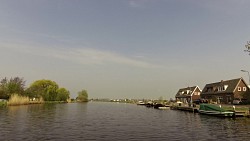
(125, 48)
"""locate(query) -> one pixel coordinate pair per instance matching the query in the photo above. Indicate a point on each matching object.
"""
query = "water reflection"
(111, 121)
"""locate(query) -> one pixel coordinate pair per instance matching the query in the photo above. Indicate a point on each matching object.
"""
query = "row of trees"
(46, 89)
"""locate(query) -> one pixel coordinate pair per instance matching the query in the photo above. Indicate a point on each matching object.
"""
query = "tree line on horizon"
(48, 90)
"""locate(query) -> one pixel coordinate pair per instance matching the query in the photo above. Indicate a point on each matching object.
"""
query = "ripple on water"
(112, 121)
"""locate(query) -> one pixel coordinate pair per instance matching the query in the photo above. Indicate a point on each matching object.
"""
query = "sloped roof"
(184, 92)
(232, 84)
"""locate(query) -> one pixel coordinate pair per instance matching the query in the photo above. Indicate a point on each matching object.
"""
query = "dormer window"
(219, 89)
(244, 89)
(239, 89)
(225, 87)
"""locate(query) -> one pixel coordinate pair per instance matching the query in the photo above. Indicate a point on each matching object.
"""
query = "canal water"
(114, 121)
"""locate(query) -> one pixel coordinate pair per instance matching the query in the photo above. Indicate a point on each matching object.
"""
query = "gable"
(188, 91)
(228, 86)
(240, 84)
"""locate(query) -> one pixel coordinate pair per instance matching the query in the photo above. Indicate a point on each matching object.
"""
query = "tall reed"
(15, 99)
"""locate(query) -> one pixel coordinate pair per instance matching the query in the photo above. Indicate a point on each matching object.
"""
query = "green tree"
(11, 86)
(62, 94)
(82, 96)
(247, 47)
(46, 89)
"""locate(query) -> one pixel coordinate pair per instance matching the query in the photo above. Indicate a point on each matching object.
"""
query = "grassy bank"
(52, 102)
(237, 108)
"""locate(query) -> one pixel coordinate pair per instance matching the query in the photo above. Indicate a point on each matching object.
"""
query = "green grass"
(3, 103)
(237, 108)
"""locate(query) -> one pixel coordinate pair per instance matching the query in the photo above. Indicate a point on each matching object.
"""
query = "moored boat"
(161, 106)
(150, 104)
(210, 109)
(140, 103)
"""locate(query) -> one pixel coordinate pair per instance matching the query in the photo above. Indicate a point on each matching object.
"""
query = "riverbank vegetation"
(3, 103)
(82, 96)
(235, 108)
(16, 99)
(13, 91)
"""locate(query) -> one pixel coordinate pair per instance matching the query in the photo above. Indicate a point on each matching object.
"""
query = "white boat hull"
(216, 113)
(163, 108)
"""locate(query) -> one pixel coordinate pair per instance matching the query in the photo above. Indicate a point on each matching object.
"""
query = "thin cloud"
(87, 56)
(137, 3)
(133, 4)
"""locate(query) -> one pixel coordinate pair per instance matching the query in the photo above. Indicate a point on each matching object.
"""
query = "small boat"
(210, 109)
(161, 106)
(149, 104)
(140, 103)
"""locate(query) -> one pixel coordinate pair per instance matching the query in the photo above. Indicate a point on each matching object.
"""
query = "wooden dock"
(241, 113)
(185, 108)
(237, 113)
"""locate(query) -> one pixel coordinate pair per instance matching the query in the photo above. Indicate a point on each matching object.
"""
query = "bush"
(3, 103)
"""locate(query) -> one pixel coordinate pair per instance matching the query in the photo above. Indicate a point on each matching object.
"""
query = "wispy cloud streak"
(87, 56)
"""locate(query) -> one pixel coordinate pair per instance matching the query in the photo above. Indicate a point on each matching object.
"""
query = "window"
(239, 88)
(219, 89)
(225, 87)
(244, 89)
(219, 99)
(222, 88)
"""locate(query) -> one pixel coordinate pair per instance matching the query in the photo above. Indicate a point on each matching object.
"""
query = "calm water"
(113, 121)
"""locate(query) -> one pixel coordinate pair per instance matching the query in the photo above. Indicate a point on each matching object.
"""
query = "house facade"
(188, 94)
(224, 92)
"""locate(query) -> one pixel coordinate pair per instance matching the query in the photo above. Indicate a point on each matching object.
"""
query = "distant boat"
(150, 104)
(161, 106)
(210, 109)
(140, 103)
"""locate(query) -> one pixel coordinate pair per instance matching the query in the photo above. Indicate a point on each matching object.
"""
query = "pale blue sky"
(124, 48)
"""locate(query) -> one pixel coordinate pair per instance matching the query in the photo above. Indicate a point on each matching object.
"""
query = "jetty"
(238, 110)
(185, 107)
(189, 109)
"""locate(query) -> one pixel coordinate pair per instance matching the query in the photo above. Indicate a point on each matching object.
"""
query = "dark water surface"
(113, 121)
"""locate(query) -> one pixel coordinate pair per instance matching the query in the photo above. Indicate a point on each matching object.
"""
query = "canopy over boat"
(211, 109)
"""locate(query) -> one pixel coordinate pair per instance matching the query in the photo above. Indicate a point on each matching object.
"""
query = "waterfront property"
(224, 92)
(186, 95)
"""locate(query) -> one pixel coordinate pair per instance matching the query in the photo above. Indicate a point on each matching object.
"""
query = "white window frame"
(244, 89)
(239, 89)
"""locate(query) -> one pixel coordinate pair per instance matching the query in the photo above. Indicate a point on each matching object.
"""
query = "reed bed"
(16, 99)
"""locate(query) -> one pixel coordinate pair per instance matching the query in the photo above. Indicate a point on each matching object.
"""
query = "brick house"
(185, 95)
(225, 92)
